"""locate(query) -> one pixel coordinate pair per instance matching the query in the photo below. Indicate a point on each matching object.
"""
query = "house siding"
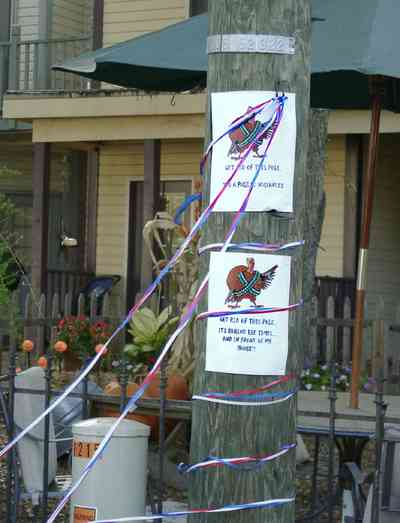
(330, 256)
(124, 19)
(27, 14)
(70, 18)
(119, 164)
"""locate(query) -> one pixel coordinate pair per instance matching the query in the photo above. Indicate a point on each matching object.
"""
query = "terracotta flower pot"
(177, 389)
(114, 389)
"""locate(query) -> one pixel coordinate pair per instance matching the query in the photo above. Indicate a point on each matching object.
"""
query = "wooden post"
(313, 219)
(92, 184)
(232, 431)
(151, 198)
(40, 219)
(368, 198)
(98, 21)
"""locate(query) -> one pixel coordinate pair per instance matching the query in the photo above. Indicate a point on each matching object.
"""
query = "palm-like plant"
(149, 333)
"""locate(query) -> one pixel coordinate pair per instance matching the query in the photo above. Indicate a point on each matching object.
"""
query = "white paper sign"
(274, 186)
(248, 344)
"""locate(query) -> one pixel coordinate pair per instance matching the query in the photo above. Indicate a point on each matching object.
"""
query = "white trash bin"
(116, 485)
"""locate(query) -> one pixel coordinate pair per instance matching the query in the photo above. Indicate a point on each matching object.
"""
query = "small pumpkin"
(42, 362)
(99, 348)
(27, 345)
(60, 346)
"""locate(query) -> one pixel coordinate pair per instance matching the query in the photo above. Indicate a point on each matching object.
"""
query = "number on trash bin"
(84, 514)
(84, 449)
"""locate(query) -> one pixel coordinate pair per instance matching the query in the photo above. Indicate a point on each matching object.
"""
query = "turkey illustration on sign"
(245, 283)
(247, 133)
(246, 341)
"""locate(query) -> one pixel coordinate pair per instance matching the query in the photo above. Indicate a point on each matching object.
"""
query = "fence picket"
(314, 332)
(67, 304)
(81, 305)
(330, 331)
(105, 307)
(347, 333)
(93, 305)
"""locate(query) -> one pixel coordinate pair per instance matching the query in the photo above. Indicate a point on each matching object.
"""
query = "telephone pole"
(235, 431)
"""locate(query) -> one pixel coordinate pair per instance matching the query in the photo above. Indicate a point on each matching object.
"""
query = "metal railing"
(25, 65)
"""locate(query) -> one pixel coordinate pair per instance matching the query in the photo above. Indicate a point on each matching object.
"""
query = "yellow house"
(122, 135)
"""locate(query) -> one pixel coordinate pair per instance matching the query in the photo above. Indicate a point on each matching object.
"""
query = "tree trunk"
(233, 431)
(313, 219)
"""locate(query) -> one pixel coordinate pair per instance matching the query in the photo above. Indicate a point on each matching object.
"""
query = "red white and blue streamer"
(251, 397)
(256, 400)
(267, 110)
(273, 503)
(257, 390)
(253, 310)
(246, 463)
(272, 119)
(273, 122)
(252, 246)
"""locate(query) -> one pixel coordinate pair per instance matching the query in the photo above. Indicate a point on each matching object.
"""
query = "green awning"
(350, 40)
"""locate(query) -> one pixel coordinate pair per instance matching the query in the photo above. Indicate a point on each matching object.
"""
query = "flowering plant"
(81, 336)
(318, 378)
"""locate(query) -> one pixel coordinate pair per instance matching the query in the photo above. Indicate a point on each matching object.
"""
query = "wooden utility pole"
(234, 431)
(313, 220)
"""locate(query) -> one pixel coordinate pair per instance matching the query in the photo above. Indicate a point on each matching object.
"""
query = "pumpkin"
(114, 389)
(42, 362)
(27, 345)
(177, 389)
(99, 348)
(60, 346)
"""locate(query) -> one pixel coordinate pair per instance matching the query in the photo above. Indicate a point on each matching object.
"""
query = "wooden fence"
(332, 328)
(332, 334)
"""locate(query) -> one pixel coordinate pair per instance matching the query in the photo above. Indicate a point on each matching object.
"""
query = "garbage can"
(116, 485)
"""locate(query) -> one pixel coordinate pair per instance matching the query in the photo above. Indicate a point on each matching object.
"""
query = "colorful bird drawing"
(248, 133)
(245, 283)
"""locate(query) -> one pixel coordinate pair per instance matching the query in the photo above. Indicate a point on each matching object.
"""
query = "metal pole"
(161, 435)
(368, 197)
(379, 438)
(123, 381)
(332, 418)
(11, 472)
(46, 437)
(85, 403)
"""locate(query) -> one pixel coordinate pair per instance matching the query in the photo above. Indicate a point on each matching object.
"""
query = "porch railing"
(25, 65)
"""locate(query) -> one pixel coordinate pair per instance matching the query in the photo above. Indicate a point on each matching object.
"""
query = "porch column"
(151, 198)
(92, 183)
(40, 215)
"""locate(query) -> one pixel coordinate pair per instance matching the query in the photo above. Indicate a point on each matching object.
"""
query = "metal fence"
(44, 323)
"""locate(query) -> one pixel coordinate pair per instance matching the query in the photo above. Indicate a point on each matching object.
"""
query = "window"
(198, 7)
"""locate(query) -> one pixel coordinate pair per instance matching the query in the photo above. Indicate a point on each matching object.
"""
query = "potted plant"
(76, 339)
(149, 335)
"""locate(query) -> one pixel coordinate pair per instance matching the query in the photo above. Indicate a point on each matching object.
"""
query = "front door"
(173, 194)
